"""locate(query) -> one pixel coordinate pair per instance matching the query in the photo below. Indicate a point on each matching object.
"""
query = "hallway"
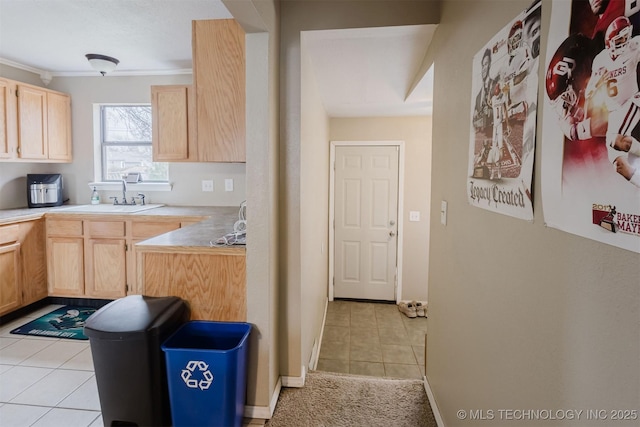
(373, 339)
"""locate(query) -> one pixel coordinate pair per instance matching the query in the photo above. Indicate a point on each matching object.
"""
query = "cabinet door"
(33, 261)
(8, 120)
(59, 126)
(106, 270)
(173, 123)
(219, 80)
(32, 123)
(9, 277)
(66, 266)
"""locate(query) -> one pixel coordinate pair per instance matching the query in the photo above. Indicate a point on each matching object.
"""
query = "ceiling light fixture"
(101, 63)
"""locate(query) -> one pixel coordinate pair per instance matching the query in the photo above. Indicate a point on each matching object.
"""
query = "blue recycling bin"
(207, 373)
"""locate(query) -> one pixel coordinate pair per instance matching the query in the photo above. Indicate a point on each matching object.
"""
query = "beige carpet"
(330, 399)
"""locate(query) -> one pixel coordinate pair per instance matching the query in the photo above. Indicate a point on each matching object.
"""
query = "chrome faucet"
(124, 192)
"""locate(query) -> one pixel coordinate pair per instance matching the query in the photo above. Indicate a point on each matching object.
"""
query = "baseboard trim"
(264, 412)
(294, 381)
(432, 402)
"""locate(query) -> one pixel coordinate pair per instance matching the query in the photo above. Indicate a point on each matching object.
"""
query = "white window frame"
(97, 159)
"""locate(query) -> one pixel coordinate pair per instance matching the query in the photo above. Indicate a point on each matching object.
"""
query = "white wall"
(86, 91)
(521, 316)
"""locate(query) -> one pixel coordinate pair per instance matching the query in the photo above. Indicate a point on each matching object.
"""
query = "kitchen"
(262, 182)
(185, 177)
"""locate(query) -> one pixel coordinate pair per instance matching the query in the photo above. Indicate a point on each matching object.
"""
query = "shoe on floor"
(421, 310)
(408, 308)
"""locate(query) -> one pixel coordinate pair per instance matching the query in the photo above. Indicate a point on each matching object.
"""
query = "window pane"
(122, 159)
(127, 123)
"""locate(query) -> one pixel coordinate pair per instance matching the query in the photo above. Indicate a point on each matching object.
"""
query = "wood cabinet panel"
(105, 266)
(214, 285)
(32, 120)
(59, 126)
(105, 228)
(9, 234)
(33, 261)
(140, 229)
(173, 123)
(9, 277)
(61, 227)
(8, 120)
(65, 266)
(219, 77)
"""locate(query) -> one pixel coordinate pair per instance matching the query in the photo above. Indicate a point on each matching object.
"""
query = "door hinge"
(126, 288)
(126, 247)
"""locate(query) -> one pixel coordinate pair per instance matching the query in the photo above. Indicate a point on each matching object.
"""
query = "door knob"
(392, 233)
(392, 222)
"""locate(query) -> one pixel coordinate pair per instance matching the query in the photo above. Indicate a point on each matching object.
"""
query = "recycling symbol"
(203, 372)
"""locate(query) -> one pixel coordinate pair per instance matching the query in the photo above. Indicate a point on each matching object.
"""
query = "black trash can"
(125, 338)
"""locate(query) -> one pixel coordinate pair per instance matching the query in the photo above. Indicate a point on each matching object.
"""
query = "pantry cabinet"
(205, 122)
(35, 123)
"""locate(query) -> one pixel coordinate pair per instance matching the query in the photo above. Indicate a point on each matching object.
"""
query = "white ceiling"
(360, 72)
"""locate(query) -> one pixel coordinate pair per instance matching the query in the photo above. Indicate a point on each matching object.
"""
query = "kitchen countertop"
(216, 221)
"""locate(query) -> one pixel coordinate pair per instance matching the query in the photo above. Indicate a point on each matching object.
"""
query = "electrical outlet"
(207, 185)
(228, 184)
(414, 215)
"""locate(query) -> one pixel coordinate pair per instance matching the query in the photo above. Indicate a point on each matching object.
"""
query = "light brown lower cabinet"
(95, 256)
(213, 284)
(22, 264)
(10, 277)
(66, 266)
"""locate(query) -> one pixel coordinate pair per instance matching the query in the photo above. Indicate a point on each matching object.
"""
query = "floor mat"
(65, 322)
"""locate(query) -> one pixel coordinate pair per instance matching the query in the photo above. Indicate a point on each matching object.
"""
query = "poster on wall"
(503, 118)
(591, 121)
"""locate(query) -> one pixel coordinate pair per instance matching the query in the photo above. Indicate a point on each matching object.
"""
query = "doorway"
(365, 220)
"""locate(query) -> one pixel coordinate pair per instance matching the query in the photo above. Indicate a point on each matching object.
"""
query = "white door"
(366, 218)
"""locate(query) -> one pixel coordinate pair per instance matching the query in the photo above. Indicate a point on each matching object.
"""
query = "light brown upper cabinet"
(8, 121)
(173, 123)
(219, 79)
(35, 123)
(205, 122)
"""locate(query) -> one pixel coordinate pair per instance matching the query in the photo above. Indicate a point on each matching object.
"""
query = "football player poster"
(503, 118)
(591, 121)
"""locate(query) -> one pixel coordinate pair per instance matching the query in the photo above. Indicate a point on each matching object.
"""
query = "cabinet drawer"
(61, 227)
(8, 234)
(151, 229)
(105, 228)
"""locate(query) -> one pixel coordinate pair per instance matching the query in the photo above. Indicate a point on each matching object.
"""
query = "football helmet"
(515, 37)
(617, 36)
(568, 74)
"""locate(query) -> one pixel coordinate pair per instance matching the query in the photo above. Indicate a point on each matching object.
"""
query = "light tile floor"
(46, 382)
(373, 339)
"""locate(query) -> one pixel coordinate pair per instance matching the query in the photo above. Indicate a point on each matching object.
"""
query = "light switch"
(443, 212)
(414, 215)
(228, 184)
(207, 185)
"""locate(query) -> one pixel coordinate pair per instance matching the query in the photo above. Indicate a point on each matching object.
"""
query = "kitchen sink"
(107, 208)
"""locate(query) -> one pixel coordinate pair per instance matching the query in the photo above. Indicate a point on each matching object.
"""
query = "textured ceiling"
(359, 72)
